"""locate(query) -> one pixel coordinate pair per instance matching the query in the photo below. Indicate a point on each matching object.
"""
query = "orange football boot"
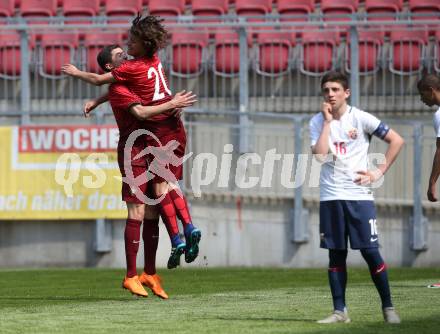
(154, 283)
(133, 285)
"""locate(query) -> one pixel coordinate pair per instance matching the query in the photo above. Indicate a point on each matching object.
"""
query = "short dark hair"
(335, 76)
(104, 56)
(429, 81)
(151, 32)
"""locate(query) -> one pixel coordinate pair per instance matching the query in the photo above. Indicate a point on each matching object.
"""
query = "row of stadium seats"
(91, 8)
(273, 53)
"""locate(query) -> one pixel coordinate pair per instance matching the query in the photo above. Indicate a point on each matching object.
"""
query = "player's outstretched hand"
(69, 69)
(432, 193)
(183, 99)
(89, 106)
(366, 177)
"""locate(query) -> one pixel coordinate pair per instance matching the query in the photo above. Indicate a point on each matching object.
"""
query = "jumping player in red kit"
(144, 76)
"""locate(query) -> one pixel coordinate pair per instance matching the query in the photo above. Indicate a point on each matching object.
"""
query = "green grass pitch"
(211, 301)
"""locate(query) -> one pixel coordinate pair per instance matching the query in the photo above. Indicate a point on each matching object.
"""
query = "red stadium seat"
(318, 52)
(80, 8)
(407, 52)
(227, 52)
(93, 43)
(370, 48)
(56, 50)
(38, 8)
(123, 7)
(6, 8)
(338, 7)
(188, 51)
(274, 50)
(209, 7)
(425, 7)
(253, 7)
(10, 58)
(166, 7)
(437, 52)
(295, 7)
(386, 9)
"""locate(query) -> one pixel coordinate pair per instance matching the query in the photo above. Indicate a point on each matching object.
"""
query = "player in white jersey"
(429, 89)
(340, 136)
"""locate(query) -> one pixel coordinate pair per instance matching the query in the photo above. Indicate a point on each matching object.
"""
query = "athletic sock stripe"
(337, 269)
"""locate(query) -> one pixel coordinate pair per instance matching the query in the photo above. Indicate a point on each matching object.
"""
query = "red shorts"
(134, 193)
(165, 159)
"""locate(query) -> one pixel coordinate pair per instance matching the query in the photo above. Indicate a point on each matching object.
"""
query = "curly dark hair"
(151, 32)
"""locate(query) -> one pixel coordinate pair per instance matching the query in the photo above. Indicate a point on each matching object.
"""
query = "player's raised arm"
(91, 78)
(180, 100)
(92, 104)
(321, 147)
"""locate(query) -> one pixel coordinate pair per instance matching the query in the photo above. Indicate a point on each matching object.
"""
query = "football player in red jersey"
(144, 76)
(129, 115)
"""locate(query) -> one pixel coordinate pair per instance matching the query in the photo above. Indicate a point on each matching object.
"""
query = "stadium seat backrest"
(123, 7)
(80, 7)
(93, 43)
(420, 36)
(425, 7)
(319, 48)
(35, 8)
(10, 55)
(209, 7)
(57, 49)
(188, 50)
(376, 7)
(166, 7)
(369, 50)
(339, 5)
(227, 52)
(6, 8)
(273, 52)
(253, 7)
(437, 51)
(407, 50)
(295, 7)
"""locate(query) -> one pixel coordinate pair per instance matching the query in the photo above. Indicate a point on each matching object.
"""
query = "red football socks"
(168, 214)
(132, 238)
(181, 206)
(150, 235)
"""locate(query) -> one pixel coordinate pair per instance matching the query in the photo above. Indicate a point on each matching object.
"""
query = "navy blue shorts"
(342, 220)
